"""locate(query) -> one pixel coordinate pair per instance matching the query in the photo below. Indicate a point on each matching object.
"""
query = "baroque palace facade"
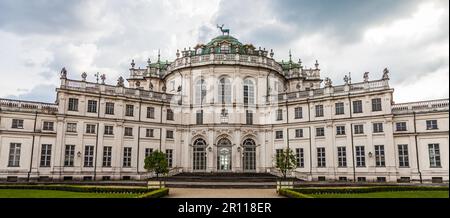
(225, 106)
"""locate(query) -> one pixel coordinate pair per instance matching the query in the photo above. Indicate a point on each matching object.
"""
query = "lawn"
(31, 193)
(398, 194)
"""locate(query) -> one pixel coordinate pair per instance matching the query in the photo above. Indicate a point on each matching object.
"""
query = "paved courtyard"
(222, 193)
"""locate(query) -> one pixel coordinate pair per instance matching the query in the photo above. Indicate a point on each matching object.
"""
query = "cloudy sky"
(39, 37)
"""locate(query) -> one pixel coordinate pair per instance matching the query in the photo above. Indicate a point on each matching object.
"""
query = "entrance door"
(199, 155)
(224, 155)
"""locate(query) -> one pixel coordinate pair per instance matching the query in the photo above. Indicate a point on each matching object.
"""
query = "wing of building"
(225, 106)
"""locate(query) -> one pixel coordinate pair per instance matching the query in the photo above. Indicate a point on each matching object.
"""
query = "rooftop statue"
(227, 31)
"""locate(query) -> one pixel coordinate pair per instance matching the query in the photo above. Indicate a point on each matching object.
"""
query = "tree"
(157, 163)
(286, 161)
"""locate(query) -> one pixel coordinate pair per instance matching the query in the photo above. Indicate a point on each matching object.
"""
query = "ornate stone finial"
(63, 73)
(103, 78)
(300, 62)
(317, 65)
(120, 82)
(290, 56)
(159, 55)
(346, 79)
(328, 82)
(84, 76)
(97, 76)
(366, 77)
(349, 77)
(385, 74)
(271, 53)
(132, 64)
(149, 62)
(178, 53)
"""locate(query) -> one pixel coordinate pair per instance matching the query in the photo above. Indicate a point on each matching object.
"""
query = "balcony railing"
(422, 106)
(29, 106)
(115, 90)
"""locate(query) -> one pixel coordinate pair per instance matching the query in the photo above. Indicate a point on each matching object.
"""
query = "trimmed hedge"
(305, 192)
(71, 188)
(352, 190)
(292, 194)
(158, 193)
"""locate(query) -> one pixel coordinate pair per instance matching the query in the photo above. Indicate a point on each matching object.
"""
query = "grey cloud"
(43, 93)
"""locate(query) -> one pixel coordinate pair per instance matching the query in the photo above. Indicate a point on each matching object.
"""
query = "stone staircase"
(221, 180)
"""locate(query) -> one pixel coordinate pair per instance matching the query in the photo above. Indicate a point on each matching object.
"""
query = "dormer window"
(198, 51)
(225, 48)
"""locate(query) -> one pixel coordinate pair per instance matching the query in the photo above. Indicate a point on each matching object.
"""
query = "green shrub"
(292, 194)
(156, 193)
(353, 190)
(73, 188)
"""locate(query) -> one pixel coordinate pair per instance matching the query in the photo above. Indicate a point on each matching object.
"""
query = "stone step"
(253, 185)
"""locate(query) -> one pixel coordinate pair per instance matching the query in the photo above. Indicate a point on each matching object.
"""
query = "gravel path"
(222, 193)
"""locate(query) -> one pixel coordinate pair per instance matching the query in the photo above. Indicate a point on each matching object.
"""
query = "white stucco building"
(225, 106)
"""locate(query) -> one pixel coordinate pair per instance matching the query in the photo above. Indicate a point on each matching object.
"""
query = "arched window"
(249, 156)
(200, 91)
(225, 48)
(224, 94)
(249, 92)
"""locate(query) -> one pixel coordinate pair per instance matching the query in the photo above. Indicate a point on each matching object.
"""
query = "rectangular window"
(278, 153)
(342, 156)
(109, 130)
(339, 108)
(128, 131)
(129, 110)
(279, 114)
(359, 129)
(46, 154)
(199, 117)
(298, 113)
(249, 117)
(169, 156)
(169, 114)
(379, 156)
(90, 128)
(320, 131)
(107, 155)
(71, 127)
(92, 106)
(299, 133)
(279, 134)
(378, 127)
(89, 156)
(340, 130)
(48, 126)
(319, 110)
(69, 155)
(403, 157)
(149, 133)
(321, 161)
(151, 112)
(109, 108)
(17, 124)
(148, 152)
(360, 156)
(73, 104)
(169, 134)
(357, 107)
(435, 155)
(126, 157)
(432, 124)
(376, 104)
(299, 156)
(400, 126)
(14, 155)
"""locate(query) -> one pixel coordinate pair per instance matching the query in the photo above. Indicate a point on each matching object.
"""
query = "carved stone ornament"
(150, 86)
(366, 77)
(328, 82)
(63, 73)
(103, 78)
(298, 86)
(385, 74)
(120, 82)
(84, 76)
(346, 79)
(138, 83)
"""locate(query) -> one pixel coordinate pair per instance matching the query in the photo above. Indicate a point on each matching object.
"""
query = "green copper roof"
(233, 41)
